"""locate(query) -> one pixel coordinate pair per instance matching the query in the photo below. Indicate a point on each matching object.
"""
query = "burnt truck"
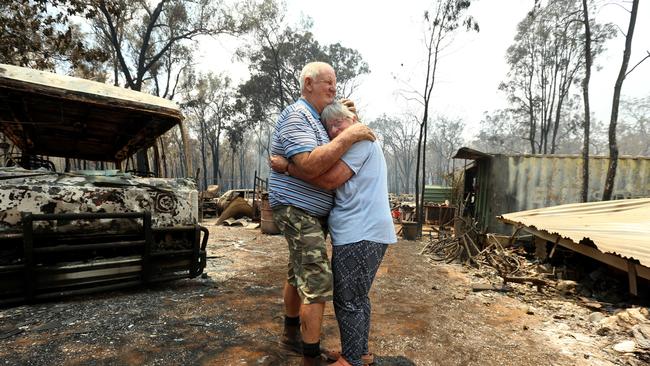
(66, 232)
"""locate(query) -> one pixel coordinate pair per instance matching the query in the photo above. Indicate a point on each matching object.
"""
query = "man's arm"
(316, 162)
(330, 180)
(338, 174)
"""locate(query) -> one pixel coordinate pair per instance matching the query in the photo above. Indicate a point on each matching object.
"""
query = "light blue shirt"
(361, 209)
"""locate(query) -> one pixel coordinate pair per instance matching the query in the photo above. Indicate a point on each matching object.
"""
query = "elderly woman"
(361, 228)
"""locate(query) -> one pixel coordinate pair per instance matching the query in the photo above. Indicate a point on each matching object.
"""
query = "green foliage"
(41, 35)
(276, 58)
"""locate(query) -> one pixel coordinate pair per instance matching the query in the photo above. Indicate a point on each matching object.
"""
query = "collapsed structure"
(495, 184)
(616, 233)
(541, 195)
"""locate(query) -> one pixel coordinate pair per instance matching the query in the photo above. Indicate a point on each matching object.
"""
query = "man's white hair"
(311, 70)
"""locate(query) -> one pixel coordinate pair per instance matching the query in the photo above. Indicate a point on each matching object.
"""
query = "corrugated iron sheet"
(437, 194)
(511, 183)
(619, 227)
(545, 180)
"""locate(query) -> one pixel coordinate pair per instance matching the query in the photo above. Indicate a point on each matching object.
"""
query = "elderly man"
(361, 227)
(300, 209)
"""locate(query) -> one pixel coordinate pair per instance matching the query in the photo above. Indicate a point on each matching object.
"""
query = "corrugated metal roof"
(619, 227)
(437, 194)
(467, 153)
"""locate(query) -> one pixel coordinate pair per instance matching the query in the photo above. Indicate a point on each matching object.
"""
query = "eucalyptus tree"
(152, 41)
(634, 126)
(543, 62)
(398, 136)
(209, 102)
(546, 60)
(275, 70)
(585, 98)
(613, 146)
(236, 136)
(278, 53)
(42, 35)
(441, 22)
(446, 139)
(500, 132)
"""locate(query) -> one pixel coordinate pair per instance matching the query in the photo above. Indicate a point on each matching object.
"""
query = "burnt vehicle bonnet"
(171, 201)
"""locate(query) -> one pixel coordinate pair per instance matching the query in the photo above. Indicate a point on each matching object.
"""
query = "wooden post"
(540, 248)
(631, 275)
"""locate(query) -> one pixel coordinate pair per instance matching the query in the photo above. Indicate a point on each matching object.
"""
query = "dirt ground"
(423, 314)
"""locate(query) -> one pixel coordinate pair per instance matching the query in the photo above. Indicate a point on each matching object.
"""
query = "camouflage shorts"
(309, 268)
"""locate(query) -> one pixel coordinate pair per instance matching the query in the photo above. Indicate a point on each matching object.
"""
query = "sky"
(389, 36)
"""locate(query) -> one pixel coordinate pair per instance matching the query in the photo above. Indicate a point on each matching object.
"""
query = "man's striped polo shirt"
(298, 130)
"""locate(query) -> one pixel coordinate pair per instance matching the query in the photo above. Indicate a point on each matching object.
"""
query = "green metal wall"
(437, 194)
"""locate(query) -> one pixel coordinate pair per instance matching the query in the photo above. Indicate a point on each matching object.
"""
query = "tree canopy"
(277, 56)
(41, 35)
(546, 62)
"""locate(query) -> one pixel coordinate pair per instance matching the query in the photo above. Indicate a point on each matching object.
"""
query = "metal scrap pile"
(233, 205)
(464, 246)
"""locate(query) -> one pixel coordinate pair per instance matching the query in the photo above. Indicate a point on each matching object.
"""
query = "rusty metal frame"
(119, 273)
(631, 267)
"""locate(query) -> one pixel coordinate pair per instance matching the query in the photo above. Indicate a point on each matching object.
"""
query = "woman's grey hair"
(311, 70)
(334, 111)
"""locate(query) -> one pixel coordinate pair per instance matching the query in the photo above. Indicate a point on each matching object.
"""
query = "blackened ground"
(423, 314)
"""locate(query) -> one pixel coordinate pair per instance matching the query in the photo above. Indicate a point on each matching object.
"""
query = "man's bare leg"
(291, 301)
(311, 317)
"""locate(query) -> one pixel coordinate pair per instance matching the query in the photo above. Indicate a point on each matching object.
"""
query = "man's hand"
(358, 132)
(279, 163)
(349, 104)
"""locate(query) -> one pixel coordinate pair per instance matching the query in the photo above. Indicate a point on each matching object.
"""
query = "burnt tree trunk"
(204, 158)
(232, 169)
(613, 146)
(585, 97)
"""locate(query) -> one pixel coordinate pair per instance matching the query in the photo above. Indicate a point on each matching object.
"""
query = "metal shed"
(496, 184)
(437, 194)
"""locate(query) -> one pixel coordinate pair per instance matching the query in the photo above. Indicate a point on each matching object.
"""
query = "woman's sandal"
(367, 359)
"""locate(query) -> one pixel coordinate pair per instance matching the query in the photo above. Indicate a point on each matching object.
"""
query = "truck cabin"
(71, 232)
(49, 115)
